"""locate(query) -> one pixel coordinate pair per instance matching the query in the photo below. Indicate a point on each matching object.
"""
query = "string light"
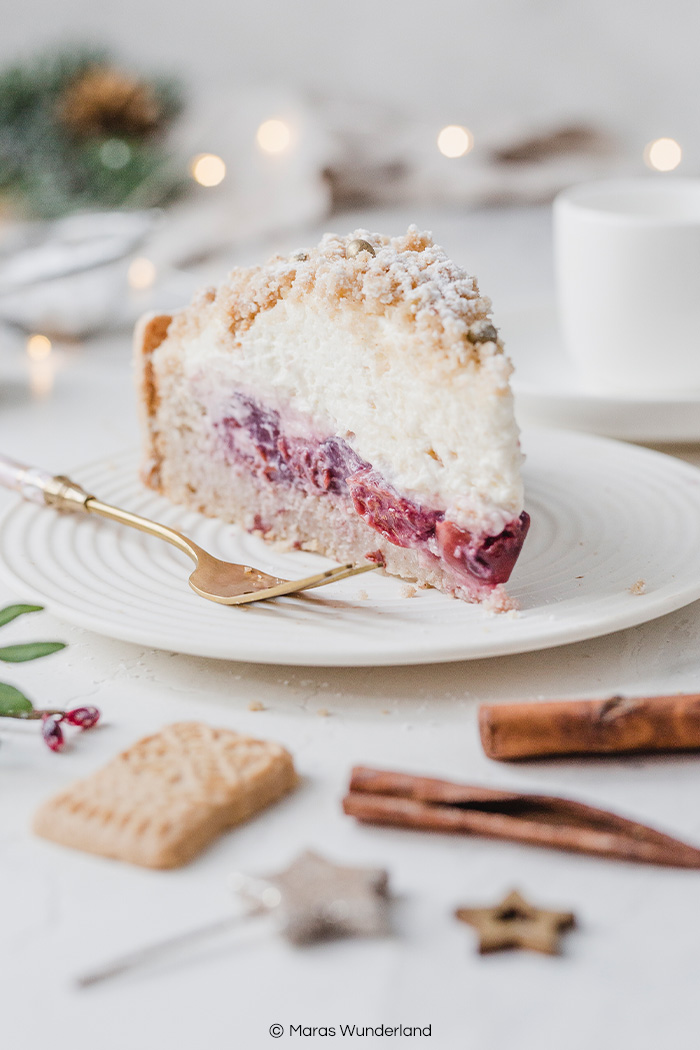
(38, 347)
(42, 365)
(207, 169)
(141, 273)
(273, 136)
(455, 141)
(663, 154)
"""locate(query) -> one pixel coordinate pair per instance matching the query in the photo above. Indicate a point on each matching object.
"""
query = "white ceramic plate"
(548, 391)
(604, 517)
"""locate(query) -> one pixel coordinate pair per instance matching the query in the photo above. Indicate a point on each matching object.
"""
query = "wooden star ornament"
(514, 923)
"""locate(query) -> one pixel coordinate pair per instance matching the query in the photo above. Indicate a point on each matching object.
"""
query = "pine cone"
(104, 101)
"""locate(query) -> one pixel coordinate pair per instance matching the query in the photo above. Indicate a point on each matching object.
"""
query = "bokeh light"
(207, 169)
(141, 273)
(273, 136)
(663, 154)
(38, 347)
(115, 154)
(455, 140)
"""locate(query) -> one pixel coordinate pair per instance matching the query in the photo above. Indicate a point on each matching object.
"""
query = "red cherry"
(52, 732)
(84, 717)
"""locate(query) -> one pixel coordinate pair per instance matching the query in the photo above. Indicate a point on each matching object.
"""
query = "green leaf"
(11, 612)
(16, 654)
(12, 701)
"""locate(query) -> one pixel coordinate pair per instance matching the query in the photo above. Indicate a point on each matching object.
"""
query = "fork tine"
(320, 579)
(340, 572)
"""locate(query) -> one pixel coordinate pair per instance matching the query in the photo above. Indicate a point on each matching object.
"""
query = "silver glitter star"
(314, 899)
(311, 899)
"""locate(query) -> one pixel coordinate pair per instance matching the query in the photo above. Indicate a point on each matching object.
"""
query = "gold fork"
(219, 581)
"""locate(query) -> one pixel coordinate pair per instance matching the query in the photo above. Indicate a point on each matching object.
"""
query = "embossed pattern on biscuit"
(164, 799)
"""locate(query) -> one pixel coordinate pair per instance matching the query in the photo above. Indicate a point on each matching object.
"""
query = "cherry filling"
(407, 524)
(491, 559)
(253, 434)
(403, 522)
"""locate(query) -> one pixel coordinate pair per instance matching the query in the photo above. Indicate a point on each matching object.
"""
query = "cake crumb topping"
(409, 274)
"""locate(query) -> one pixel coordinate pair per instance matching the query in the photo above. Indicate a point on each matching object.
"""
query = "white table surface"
(628, 974)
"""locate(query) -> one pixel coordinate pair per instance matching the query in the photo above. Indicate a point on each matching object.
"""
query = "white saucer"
(548, 391)
(609, 547)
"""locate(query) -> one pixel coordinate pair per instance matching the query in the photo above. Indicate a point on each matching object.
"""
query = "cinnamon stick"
(619, 725)
(425, 804)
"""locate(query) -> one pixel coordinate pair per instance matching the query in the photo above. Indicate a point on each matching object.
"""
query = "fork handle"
(58, 491)
(39, 486)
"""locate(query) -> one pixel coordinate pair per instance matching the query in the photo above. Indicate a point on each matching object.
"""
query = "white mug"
(627, 265)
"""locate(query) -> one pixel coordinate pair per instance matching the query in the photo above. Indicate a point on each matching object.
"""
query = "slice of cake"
(352, 399)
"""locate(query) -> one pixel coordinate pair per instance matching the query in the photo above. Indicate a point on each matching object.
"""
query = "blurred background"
(146, 147)
(628, 66)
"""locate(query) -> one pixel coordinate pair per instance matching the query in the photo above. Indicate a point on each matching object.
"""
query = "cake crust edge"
(151, 330)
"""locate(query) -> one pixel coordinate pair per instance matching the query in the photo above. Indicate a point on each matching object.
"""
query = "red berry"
(52, 732)
(84, 717)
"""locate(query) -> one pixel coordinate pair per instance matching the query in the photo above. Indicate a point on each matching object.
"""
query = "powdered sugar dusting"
(409, 274)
